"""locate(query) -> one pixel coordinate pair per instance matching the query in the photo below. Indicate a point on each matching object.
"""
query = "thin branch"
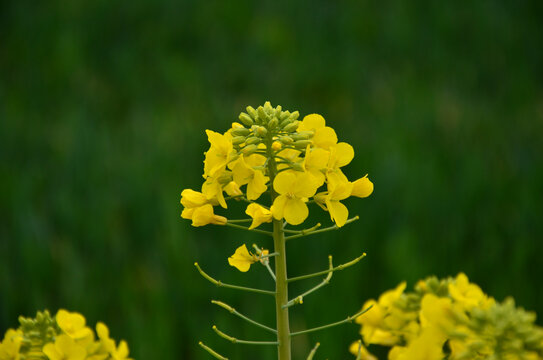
(304, 231)
(212, 352)
(221, 284)
(337, 268)
(235, 312)
(239, 221)
(300, 299)
(313, 351)
(335, 227)
(246, 228)
(266, 262)
(348, 319)
(237, 341)
(359, 356)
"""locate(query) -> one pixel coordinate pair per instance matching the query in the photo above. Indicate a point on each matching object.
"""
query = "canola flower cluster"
(271, 150)
(65, 337)
(448, 319)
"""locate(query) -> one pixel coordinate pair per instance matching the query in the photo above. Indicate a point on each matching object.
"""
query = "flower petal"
(296, 211)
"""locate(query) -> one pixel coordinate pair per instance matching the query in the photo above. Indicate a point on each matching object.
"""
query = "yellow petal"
(278, 207)
(324, 138)
(362, 187)
(338, 212)
(241, 259)
(312, 122)
(344, 154)
(259, 214)
(257, 185)
(284, 181)
(191, 198)
(296, 211)
(305, 185)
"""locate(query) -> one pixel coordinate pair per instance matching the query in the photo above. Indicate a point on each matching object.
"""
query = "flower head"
(242, 259)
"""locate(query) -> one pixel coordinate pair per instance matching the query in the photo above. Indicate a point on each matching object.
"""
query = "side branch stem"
(339, 267)
(348, 319)
(221, 284)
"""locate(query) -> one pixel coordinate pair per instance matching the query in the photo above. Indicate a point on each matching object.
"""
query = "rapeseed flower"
(294, 189)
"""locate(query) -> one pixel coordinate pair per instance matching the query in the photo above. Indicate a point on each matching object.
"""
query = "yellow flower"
(64, 348)
(192, 199)
(427, 346)
(212, 190)
(259, 214)
(117, 353)
(362, 187)
(242, 259)
(203, 215)
(324, 136)
(255, 179)
(219, 154)
(437, 314)
(73, 324)
(467, 294)
(294, 189)
(315, 162)
(9, 347)
(232, 189)
(331, 201)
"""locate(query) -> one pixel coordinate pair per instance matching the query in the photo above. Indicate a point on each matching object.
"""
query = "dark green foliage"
(103, 107)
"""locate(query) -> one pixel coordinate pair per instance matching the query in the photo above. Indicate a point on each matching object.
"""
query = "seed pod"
(291, 127)
(302, 144)
(252, 140)
(245, 119)
(251, 111)
(241, 132)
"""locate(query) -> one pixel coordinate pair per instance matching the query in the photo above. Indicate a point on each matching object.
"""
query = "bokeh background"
(103, 107)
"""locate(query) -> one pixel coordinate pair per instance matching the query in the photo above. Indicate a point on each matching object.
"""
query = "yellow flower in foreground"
(242, 259)
(73, 324)
(9, 347)
(428, 346)
(324, 136)
(219, 154)
(259, 214)
(203, 215)
(315, 162)
(64, 348)
(467, 294)
(336, 192)
(255, 179)
(294, 189)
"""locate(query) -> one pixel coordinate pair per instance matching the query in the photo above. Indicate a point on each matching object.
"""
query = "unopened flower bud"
(261, 131)
(278, 110)
(252, 140)
(284, 115)
(294, 115)
(268, 108)
(287, 140)
(225, 178)
(245, 119)
(262, 116)
(249, 149)
(238, 140)
(276, 146)
(291, 127)
(241, 132)
(302, 144)
(273, 123)
(251, 111)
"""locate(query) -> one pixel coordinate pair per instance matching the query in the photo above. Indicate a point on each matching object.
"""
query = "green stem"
(313, 351)
(238, 341)
(299, 299)
(339, 267)
(221, 284)
(335, 227)
(246, 228)
(212, 352)
(281, 285)
(235, 312)
(348, 319)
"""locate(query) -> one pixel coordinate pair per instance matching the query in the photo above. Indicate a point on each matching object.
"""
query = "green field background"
(103, 108)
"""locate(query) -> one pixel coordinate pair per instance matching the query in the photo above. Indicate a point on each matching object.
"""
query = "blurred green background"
(103, 107)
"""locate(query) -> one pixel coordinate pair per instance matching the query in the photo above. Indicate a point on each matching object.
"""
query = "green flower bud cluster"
(37, 332)
(503, 330)
(267, 122)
